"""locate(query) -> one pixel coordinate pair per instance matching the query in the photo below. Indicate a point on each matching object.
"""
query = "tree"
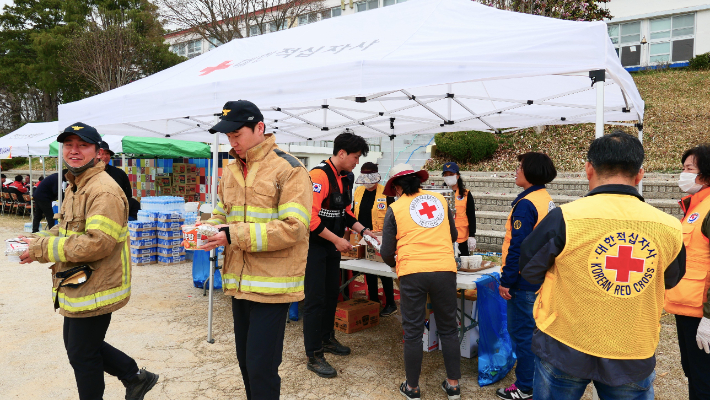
(221, 21)
(577, 10)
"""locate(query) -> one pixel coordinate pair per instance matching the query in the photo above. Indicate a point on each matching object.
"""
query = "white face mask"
(686, 183)
(450, 180)
(370, 186)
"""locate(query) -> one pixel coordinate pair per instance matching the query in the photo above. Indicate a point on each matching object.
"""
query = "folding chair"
(15, 204)
(27, 205)
(6, 201)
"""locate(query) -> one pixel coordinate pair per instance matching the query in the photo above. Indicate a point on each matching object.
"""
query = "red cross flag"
(427, 211)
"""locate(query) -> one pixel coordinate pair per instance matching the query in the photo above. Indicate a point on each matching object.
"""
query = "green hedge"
(701, 61)
(466, 146)
(11, 163)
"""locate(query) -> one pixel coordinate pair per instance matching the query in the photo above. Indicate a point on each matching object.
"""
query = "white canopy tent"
(423, 66)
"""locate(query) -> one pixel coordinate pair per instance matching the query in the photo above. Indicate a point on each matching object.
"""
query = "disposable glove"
(703, 335)
(457, 251)
(471, 244)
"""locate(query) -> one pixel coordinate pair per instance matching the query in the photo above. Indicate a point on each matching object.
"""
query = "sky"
(3, 2)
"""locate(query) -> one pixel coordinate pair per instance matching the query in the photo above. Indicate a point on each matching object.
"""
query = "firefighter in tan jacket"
(91, 270)
(263, 216)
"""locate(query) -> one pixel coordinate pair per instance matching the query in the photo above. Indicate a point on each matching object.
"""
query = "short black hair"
(351, 143)
(41, 178)
(252, 124)
(616, 154)
(701, 153)
(18, 178)
(410, 184)
(538, 168)
(3, 176)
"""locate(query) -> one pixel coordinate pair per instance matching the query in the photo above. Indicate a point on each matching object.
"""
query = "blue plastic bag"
(201, 270)
(495, 350)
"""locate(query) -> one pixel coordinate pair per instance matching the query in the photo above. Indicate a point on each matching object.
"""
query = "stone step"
(489, 240)
(491, 220)
(652, 189)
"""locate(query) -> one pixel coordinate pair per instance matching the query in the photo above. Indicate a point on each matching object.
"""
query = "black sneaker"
(388, 310)
(137, 387)
(332, 345)
(513, 393)
(410, 394)
(317, 364)
(454, 392)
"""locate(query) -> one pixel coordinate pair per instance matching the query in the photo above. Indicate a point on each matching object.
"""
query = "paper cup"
(465, 261)
(475, 261)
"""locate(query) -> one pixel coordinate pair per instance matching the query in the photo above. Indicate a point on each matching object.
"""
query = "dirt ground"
(164, 327)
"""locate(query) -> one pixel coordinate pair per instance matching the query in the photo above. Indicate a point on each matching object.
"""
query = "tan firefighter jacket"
(91, 230)
(268, 215)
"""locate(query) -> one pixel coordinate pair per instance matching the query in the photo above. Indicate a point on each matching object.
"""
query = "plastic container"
(144, 242)
(143, 252)
(28, 227)
(14, 248)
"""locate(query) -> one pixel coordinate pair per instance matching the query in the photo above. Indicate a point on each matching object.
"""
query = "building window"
(274, 26)
(213, 43)
(189, 49)
(308, 19)
(367, 5)
(386, 3)
(333, 12)
(304, 161)
(254, 30)
(672, 39)
(627, 42)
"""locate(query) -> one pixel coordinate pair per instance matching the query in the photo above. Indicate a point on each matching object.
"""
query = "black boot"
(331, 345)
(138, 386)
(317, 364)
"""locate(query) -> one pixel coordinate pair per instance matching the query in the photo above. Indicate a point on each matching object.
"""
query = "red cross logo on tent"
(222, 65)
(427, 210)
(624, 264)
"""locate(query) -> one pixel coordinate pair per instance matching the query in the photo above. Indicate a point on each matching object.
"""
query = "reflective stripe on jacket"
(268, 215)
(91, 230)
(379, 207)
(688, 297)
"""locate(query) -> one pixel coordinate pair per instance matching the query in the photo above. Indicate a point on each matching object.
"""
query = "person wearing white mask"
(465, 218)
(689, 299)
(370, 206)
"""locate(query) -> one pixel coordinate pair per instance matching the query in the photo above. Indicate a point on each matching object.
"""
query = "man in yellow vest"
(420, 230)
(689, 300)
(604, 262)
(370, 206)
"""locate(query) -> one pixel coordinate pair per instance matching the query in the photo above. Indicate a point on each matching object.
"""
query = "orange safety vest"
(461, 219)
(688, 296)
(543, 204)
(423, 234)
(379, 207)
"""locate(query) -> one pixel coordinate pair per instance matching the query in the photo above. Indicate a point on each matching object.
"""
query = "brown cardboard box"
(357, 252)
(179, 168)
(181, 190)
(190, 169)
(373, 255)
(356, 314)
(180, 179)
(355, 238)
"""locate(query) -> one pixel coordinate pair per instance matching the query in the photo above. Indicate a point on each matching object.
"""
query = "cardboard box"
(166, 190)
(355, 238)
(373, 255)
(179, 168)
(356, 314)
(190, 169)
(181, 190)
(163, 180)
(356, 253)
(431, 336)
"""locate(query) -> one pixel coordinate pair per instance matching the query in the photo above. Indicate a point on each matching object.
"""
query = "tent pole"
(598, 78)
(60, 178)
(640, 128)
(44, 168)
(32, 209)
(123, 162)
(213, 253)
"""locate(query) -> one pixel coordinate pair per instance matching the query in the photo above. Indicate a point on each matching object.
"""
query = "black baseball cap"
(85, 132)
(236, 114)
(104, 146)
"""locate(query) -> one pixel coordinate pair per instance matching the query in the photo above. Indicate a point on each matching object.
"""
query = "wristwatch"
(363, 230)
(225, 229)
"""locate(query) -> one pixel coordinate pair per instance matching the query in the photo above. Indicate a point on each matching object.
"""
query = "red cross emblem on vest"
(427, 210)
(624, 263)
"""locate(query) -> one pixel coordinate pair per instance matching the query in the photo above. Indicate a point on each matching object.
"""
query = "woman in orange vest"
(370, 205)
(689, 299)
(420, 230)
(465, 218)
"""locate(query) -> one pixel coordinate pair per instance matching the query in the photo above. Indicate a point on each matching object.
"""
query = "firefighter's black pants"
(90, 355)
(259, 337)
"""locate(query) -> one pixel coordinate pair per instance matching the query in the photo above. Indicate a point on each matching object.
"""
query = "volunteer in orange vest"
(370, 206)
(529, 208)
(465, 218)
(419, 228)
(331, 213)
(604, 262)
(689, 300)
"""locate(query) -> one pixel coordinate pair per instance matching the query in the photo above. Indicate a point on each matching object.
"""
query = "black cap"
(236, 114)
(104, 146)
(85, 132)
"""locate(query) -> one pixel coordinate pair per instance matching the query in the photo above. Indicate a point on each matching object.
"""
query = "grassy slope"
(677, 117)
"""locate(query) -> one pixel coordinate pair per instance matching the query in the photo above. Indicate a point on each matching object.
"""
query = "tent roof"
(432, 65)
(32, 139)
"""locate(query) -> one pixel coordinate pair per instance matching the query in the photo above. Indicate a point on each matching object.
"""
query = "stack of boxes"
(185, 181)
(169, 230)
(143, 242)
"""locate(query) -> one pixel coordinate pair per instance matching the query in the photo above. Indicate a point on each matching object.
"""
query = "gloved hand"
(471, 244)
(703, 335)
(457, 251)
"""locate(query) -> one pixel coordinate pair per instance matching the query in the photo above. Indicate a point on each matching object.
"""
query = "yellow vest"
(379, 207)
(461, 219)
(688, 296)
(543, 204)
(604, 295)
(423, 234)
